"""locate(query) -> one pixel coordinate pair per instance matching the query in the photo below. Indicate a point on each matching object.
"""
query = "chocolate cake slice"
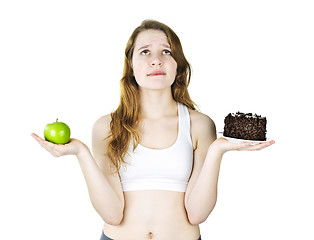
(245, 126)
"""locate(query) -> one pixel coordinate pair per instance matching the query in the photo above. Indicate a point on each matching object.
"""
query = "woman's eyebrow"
(145, 46)
(149, 45)
(166, 45)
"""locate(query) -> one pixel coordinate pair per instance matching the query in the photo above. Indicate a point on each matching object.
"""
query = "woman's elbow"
(114, 220)
(197, 220)
(111, 216)
(199, 217)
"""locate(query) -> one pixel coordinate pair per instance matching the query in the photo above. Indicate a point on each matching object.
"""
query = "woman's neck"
(157, 104)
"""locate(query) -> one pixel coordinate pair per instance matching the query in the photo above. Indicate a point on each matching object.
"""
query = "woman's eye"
(145, 52)
(166, 52)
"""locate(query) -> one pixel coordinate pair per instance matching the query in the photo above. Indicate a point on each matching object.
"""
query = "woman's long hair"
(124, 120)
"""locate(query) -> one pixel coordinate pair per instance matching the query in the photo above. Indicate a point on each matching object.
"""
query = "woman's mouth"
(156, 73)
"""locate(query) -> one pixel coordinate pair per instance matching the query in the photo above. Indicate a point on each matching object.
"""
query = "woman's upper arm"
(203, 133)
(100, 140)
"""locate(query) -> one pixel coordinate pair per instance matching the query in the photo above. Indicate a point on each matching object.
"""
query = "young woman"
(154, 169)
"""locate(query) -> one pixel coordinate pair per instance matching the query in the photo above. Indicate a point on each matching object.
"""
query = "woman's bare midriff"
(153, 214)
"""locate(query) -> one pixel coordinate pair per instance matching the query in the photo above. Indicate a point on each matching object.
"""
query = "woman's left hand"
(223, 145)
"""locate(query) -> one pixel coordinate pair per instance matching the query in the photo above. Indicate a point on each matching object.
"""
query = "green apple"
(57, 132)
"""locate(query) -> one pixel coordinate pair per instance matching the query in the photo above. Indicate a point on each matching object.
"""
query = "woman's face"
(153, 65)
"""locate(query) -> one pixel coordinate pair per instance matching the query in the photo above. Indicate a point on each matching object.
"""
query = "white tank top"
(161, 169)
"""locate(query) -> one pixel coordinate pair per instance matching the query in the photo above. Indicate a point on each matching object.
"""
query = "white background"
(64, 59)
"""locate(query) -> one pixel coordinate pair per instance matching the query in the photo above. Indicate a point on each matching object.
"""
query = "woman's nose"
(156, 61)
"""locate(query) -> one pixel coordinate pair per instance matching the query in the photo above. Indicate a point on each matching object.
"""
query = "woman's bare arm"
(104, 189)
(201, 194)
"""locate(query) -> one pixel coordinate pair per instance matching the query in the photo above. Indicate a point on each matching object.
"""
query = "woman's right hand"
(74, 147)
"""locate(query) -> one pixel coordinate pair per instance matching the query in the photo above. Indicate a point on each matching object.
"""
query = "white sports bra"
(161, 169)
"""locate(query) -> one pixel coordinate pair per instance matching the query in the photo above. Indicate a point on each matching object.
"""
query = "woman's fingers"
(249, 146)
(36, 137)
(261, 146)
(226, 145)
(41, 141)
(55, 149)
(71, 148)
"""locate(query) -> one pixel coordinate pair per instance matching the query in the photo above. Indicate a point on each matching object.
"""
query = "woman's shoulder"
(201, 120)
(203, 128)
(105, 119)
(102, 126)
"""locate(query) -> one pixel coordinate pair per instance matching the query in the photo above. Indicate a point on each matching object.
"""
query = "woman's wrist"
(82, 151)
(216, 148)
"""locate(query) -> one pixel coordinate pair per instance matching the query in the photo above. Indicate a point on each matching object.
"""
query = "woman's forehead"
(151, 37)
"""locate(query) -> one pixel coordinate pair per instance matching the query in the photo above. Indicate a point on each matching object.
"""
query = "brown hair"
(125, 118)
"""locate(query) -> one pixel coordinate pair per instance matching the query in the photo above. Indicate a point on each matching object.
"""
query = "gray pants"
(104, 237)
